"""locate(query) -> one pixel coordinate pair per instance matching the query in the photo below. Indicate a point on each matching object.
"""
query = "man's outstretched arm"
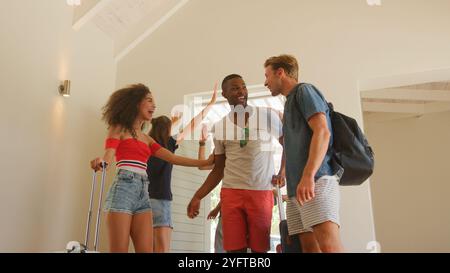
(213, 179)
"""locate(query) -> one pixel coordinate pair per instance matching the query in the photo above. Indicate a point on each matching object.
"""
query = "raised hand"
(214, 96)
(176, 117)
(204, 134)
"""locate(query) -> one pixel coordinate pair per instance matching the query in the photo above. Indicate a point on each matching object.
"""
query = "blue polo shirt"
(301, 104)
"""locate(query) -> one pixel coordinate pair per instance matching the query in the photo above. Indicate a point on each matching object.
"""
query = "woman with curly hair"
(129, 212)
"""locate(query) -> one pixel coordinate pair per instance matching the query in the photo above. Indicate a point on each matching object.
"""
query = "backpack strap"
(330, 105)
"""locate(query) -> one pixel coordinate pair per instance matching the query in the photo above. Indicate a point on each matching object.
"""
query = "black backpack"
(352, 157)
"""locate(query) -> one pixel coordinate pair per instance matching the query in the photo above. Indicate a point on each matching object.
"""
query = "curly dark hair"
(122, 107)
(287, 62)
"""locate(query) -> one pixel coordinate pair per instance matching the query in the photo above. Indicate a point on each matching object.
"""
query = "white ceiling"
(129, 22)
(408, 100)
(126, 22)
(429, 86)
(119, 16)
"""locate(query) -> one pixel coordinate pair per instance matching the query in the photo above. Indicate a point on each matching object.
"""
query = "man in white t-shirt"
(244, 162)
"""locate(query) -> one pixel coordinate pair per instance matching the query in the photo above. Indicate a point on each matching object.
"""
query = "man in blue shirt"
(313, 189)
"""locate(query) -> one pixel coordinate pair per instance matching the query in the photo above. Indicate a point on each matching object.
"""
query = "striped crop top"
(132, 154)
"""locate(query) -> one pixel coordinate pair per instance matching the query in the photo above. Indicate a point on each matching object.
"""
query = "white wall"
(189, 235)
(410, 185)
(47, 140)
(338, 43)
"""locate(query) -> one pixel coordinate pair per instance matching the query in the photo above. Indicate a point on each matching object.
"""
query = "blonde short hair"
(287, 62)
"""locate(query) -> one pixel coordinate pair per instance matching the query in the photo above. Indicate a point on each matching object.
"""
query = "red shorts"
(246, 219)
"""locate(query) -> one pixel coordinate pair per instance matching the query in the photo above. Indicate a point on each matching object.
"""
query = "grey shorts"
(162, 213)
(128, 193)
(324, 207)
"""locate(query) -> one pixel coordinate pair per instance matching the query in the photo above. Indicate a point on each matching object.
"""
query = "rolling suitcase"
(289, 244)
(77, 247)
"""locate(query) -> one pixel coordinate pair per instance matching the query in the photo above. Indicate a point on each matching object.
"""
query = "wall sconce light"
(64, 88)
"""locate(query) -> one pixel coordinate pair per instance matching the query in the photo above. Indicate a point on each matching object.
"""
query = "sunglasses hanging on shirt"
(244, 138)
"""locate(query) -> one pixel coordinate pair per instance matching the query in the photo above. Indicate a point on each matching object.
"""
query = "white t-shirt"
(249, 164)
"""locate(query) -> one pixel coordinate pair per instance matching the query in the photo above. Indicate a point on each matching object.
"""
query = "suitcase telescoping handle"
(280, 203)
(100, 199)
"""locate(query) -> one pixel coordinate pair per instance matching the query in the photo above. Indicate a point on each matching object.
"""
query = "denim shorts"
(162, 213)
(128, 193)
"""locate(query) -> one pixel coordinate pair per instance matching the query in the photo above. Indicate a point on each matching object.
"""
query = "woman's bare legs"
(119, 225)
(142, 232)
(162, 237)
